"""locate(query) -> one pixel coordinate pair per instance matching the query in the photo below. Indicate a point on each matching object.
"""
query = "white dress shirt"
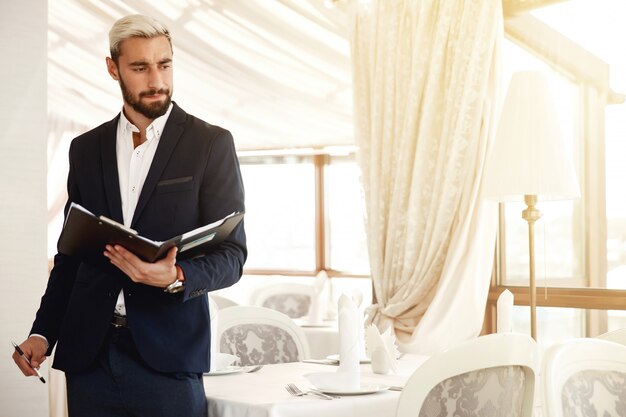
(132, 168)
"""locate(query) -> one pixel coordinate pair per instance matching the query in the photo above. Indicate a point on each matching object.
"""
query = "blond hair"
(135, 26)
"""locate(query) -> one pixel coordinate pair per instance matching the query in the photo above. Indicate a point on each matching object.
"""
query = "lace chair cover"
(595, 393)
(293, 305)
(492, 392)
(257, 344)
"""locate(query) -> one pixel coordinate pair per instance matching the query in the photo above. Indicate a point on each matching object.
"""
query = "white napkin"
(357, 298)
(331, 305)
(317, 309)
(382, 349)
(349, 354)
(504, 307)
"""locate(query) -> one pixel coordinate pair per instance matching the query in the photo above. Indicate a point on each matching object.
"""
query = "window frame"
(565, 56)
(321, 160)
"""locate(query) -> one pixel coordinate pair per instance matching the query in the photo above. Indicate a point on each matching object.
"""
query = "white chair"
(222, 302)
(584, 377)
(490, 375)
(618, 336)
(292, 299)
(259, 335)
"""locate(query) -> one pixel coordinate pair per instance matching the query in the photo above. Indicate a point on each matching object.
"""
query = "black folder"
(85, 235)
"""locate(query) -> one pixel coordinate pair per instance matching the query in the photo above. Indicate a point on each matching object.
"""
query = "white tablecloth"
(263, 394)
(323, 341)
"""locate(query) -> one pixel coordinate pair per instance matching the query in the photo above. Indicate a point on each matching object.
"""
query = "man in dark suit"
(133, 337)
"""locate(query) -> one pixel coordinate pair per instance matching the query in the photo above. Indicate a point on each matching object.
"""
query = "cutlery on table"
(322, 361)
(253, 368)
(296, 392)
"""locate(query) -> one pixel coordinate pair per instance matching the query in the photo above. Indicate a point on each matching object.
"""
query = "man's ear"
(112, 69)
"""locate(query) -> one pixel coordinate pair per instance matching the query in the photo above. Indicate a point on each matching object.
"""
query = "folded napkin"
(504, 311)
(331, 306)
(357, 298)
(381, 349)
(349, 354)
(319, 297)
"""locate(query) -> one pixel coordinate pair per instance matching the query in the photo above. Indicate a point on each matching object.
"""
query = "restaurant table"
(263, 393)
(323, 338)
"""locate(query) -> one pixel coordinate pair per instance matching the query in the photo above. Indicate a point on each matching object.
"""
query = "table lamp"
(529, 160)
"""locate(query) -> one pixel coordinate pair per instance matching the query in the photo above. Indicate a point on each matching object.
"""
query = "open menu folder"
(86, 235)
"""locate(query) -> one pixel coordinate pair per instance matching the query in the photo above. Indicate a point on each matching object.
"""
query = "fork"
(253, 368)
(296, 392)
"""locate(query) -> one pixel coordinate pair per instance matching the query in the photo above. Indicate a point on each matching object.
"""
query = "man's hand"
(34, 349)
(158, 274)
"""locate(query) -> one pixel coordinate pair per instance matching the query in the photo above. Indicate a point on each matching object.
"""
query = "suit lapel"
(109, 170)
(174, 128)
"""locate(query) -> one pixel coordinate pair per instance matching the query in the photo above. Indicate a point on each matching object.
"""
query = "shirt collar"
(154, 130)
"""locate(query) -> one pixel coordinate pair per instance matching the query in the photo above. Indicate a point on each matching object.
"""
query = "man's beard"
(152, 110)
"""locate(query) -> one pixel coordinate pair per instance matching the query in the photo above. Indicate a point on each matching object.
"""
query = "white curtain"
(424, 81)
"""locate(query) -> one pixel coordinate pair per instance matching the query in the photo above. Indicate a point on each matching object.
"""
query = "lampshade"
(529, 156)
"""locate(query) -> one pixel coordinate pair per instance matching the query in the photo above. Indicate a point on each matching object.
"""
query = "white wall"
(23, 48)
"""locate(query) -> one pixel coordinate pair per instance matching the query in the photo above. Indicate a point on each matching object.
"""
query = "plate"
(336, 358)
(232, 369)
(364, 389)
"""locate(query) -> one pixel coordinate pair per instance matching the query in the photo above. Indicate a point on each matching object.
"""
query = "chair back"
(584, 377)
(489, 375)
(617, 336)
(292, 299)
(259, 335)
(222, 302)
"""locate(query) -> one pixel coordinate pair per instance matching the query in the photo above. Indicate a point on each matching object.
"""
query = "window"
(304, 213)
(558, 234)
(280, 212)
(346, 205)
(580, 246)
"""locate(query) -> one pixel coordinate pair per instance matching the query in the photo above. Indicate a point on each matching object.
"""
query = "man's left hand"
(158, 274)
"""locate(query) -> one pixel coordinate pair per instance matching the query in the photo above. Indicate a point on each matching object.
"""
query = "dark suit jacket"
(194, 180)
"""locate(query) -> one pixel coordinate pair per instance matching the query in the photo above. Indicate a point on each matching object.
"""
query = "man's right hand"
(34, 349)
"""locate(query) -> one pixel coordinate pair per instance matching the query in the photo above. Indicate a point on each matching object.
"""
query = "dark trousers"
(121, 384)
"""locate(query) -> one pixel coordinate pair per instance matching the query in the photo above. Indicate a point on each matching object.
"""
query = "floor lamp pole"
(531, 215)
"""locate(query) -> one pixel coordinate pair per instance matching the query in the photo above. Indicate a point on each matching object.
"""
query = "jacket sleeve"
(54, 302)
(221, 193)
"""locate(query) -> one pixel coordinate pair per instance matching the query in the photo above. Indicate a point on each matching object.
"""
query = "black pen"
(19, 351)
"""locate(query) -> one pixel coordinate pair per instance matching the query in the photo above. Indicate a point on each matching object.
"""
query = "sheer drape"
(424, 80)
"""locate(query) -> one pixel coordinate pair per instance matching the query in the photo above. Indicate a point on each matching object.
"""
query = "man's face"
(144, 71)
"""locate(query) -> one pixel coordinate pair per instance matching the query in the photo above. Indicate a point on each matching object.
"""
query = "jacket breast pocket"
(173, 185)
